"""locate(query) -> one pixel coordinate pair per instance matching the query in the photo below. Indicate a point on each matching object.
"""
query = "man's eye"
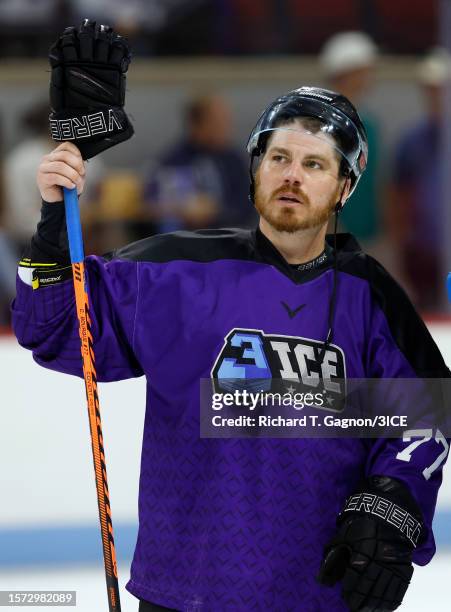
(278, 158)
(311, 163)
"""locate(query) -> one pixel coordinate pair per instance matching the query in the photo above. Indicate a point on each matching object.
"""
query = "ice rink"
(49, 535)
(429, 589)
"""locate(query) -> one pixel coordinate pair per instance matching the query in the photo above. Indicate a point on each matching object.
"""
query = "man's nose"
(293, 173)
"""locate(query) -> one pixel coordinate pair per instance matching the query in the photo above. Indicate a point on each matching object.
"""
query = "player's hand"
(63, 167)
(374, 567)
(369, 555)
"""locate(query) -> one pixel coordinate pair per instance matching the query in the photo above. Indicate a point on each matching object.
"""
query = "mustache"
(303, 197)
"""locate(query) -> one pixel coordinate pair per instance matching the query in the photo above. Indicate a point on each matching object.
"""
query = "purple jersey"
(236, 524)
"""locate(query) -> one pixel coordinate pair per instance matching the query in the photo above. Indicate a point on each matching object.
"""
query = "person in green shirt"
(347, 61)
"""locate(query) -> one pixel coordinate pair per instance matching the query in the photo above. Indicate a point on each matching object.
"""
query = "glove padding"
(87, 88)
(371, 556)
(374, 568)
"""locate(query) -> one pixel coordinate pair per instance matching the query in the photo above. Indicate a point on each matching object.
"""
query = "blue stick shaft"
(73, 225)
(75, 236)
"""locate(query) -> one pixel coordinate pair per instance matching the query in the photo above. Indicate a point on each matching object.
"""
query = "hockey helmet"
(338, 118)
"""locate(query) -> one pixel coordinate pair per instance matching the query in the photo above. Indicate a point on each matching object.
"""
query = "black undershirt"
(313, 263)
(49, 243)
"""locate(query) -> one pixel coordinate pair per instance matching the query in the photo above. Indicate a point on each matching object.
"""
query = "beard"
(288, 218)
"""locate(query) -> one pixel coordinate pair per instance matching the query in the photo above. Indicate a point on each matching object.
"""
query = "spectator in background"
(141, 21)
(201, 181)
(8, 258)
(27, 27)
(417, 201)
(22, 199)
(347, 61)
(16, 12)
(22, 203)
(135, 19)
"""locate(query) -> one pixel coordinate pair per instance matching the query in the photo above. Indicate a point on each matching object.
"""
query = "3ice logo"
(253, 360)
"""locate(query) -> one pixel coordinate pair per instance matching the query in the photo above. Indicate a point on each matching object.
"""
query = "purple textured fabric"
(227, 524)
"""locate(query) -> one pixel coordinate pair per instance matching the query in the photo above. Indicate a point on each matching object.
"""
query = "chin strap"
(251, 177)
(333, 298)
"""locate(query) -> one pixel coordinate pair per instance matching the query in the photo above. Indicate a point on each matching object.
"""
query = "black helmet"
(338, 116)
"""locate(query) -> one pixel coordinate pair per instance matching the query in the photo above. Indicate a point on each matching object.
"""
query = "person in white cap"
(416, 209)
(347, 61)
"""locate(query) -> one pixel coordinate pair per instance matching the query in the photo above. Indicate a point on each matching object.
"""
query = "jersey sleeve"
(401, 347)
(45, 321)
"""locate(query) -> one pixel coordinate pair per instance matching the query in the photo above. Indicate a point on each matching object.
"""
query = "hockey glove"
(87, 88)
(371, 553)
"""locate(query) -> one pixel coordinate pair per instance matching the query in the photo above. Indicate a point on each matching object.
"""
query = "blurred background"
(202, 72)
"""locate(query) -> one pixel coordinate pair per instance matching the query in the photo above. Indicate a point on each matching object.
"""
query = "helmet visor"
(333, 126)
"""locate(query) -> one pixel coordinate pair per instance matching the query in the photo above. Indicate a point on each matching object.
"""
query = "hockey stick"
(82, 305)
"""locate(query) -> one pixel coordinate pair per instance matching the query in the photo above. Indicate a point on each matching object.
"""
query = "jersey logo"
(253, 360)
(292, 313)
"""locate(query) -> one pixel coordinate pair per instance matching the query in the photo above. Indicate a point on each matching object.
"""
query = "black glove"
(87, 88)
(371, 553)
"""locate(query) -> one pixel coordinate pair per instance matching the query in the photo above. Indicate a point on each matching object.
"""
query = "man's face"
(297, 184)
(214, 129)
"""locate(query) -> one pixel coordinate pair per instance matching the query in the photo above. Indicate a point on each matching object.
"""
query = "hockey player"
(255, 523)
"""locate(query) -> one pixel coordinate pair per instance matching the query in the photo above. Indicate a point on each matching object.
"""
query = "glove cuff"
(93, 130)
(388, 501)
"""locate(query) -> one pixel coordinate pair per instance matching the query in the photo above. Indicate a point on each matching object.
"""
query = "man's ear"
(345, 191)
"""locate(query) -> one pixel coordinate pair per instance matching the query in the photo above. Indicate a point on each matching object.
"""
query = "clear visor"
(312, 146)
(336, 129)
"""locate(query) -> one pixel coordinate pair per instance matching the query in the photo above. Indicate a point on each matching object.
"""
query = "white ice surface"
(428, 592)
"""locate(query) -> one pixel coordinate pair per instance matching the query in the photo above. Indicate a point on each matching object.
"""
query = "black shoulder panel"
(200, 245)
(407, 327)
